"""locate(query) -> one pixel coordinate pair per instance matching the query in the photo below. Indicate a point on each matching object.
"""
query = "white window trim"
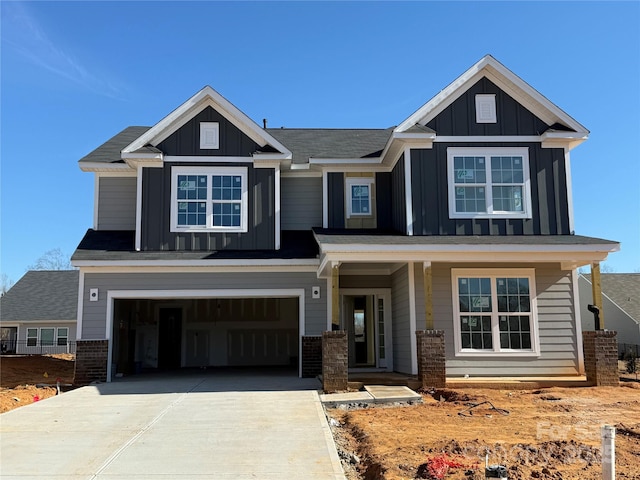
(58, 337)
(353, 181)
(37, 337)
(213, 127)
(495, 331)
(487, 152)
(209, 171)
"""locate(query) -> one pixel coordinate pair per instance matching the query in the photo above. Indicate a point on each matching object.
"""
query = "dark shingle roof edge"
(42, 295)
(109, 152)
(623, 289)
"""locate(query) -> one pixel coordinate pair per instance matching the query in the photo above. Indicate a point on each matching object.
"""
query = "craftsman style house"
(217, 242)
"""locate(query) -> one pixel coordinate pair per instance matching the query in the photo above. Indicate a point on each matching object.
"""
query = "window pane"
(515, 333)
(470, 199)
(469, 170)
(507, 199)
(360, 199)
(46, 336)
(476, 331)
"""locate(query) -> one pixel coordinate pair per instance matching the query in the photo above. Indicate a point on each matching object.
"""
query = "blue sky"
(74, 74)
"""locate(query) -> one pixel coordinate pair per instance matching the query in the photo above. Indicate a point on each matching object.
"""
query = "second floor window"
(359, 196)
(489, 182)
(209, 199)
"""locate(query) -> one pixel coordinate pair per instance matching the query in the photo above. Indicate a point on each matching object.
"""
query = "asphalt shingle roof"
(42, 295)
(623, 289)
(307, 143)
(109, 152)
(120, 245)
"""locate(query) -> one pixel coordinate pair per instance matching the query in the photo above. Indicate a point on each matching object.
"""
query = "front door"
(169, 337)
(367, 322)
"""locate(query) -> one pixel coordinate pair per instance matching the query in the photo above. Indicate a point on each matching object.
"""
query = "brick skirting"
(335, 360)
(432, 370)
(91, 361)
(601, 357)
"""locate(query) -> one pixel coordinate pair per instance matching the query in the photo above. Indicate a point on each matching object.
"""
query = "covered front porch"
(505, 307)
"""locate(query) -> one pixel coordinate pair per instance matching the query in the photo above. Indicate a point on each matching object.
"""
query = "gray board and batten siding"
(459, 118)
(549, 200)
(116, 203)
(186, 140)
(156, 214)
(95, 313)
(556, 324)
(301, 202)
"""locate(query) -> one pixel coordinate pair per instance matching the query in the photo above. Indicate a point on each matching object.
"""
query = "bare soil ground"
(551, 433)
(19, 375)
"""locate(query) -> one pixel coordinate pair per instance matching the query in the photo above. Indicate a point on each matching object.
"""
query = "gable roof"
(205, 97)
(623, 289)
(42, 295)
(509, 82)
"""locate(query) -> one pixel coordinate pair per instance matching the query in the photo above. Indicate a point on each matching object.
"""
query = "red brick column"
(432, 371)
(601, 357)
(311, 356)
(335, 361)
(91, 361)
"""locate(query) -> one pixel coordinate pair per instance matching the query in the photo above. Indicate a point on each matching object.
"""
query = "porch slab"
(392, 393)
(349, 397)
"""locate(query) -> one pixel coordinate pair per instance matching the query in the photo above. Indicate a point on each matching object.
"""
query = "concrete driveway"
(222, 425)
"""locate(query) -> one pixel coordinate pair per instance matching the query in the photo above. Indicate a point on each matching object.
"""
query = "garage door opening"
(163, 334)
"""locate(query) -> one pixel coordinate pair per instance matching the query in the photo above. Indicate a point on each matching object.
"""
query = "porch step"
(373, 394)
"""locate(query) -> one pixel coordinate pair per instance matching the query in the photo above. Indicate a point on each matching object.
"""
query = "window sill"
(524, 216)
(208, 230)
(493, 353)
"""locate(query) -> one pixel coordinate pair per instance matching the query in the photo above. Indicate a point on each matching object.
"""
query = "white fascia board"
(422, 137)
(104, 167)
(141, 157)
(471, 248)
(299, 166)
(27, 322)
(487, 138)
(356, 168)
(244, 264)
(205, 97)
(568, 140)
(270, 156)
(504, 78)
(144, 162)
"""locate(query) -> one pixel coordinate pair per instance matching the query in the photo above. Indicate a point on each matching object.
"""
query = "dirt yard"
(551, 433)
(19, 376)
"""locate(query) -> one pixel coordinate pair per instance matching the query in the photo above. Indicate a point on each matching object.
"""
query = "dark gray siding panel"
(117, 203)
(335, 192)
(301, 200)
(459, 118)
(550, 209)
(398, 207)
(186, 140)
(383, 200)
(156, 214)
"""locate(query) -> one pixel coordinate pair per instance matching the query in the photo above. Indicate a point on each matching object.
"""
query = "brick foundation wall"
(432, 370)
(335, 360)
(91, 361)
(311, 356)
(601, 357)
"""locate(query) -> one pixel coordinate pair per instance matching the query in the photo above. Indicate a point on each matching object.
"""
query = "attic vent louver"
(486, 108)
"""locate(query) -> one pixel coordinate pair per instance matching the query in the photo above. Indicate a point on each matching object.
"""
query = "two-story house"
(218, 242)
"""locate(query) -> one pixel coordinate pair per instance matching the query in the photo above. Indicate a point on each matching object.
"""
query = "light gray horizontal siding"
(95, 313)
(301, 202)
(117, 203)
(556, 324)
(400, 323)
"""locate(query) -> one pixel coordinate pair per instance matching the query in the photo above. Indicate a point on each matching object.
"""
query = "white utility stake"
(608, 435)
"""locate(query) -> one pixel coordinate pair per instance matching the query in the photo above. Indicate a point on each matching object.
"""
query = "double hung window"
(209, 199)
(494, 311)
(359, 196)
(489, 182)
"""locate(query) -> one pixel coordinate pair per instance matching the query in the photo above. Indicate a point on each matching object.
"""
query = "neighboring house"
(621, 304)
(39, 313)
(217, 242)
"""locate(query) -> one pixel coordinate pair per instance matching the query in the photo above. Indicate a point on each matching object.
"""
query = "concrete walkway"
(222, 425)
